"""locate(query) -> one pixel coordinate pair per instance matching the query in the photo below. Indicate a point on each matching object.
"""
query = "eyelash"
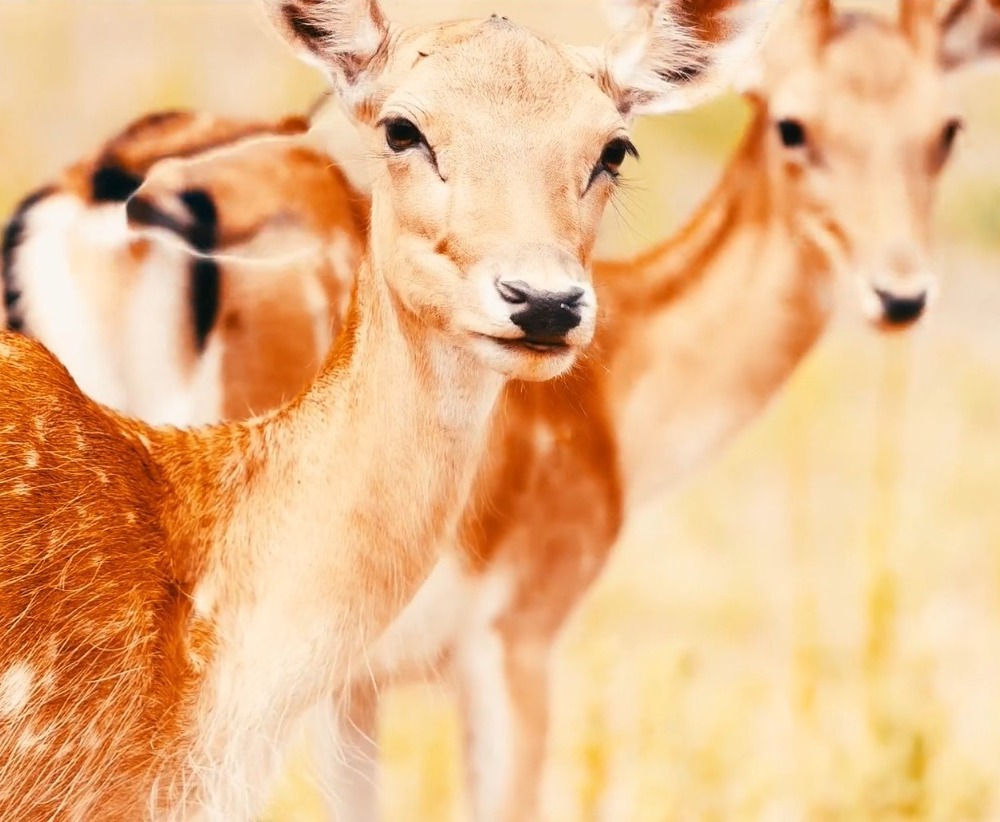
(611, 166)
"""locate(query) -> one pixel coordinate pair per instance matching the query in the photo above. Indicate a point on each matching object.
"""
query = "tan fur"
(700, 332)
(173, 600)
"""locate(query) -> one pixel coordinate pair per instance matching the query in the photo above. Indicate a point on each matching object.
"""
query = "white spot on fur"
(20, 489)
(545, 438)
(31, 458)
(15, 689)
(32, 740)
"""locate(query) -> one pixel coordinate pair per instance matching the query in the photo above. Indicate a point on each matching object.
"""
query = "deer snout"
(545, 317)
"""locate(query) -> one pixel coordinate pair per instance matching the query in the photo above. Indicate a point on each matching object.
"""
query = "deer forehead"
(867, 70)
(874, 59)
(496, 72)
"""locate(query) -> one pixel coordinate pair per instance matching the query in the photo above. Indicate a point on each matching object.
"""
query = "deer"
(173, 599)
(699, 334)
(78, 279)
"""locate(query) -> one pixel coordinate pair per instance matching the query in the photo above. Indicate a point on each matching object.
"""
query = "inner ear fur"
(347, 39)
(970, 33)
(670, 56)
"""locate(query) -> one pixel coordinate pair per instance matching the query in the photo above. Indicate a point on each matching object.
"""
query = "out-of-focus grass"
(718, 671)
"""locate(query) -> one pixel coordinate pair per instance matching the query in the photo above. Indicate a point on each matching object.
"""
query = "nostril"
(901, 310)
(572, 298)
(515, 292)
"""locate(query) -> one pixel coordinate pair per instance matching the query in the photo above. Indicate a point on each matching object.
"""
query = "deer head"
(860, 129)
(498, 151)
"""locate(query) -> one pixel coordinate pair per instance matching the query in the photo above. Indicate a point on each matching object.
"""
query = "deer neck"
(706, 327)
(299, 535)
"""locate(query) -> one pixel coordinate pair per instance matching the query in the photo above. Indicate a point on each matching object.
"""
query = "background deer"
(153, 325)
(174, 599)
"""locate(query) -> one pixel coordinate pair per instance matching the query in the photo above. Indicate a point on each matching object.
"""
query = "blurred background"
(810, 628)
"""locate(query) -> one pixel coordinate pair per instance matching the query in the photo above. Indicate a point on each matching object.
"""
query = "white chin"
(521, 362)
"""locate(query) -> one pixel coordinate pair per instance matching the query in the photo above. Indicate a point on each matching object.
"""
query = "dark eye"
(401, 134)
(948, 135)
(614, 155)
(793, 133)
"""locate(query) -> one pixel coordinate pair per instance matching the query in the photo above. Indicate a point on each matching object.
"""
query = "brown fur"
(174, 599)
(711, 322)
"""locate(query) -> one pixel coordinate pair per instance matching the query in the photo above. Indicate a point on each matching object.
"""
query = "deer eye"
(948, 134)
(793, 133)
(614, 155)
(401, 134)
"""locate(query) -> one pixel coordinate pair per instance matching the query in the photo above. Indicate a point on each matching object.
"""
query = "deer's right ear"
(347, 39)
(674, 54)
(970, 33)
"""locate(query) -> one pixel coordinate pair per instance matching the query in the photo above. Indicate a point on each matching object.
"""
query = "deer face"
(494, 187)
(498, 151)
(861, 129)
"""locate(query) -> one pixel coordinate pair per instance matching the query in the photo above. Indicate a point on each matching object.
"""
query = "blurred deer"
(701, 332)
(171, 601)
(154, 325)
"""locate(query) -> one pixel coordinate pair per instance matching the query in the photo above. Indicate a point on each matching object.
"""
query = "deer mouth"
(536, 344)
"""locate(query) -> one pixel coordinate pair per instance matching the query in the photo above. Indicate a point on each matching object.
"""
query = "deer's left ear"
(672, 55)
(970, 33)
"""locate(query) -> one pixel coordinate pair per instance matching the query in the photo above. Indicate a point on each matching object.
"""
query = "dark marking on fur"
(205, 284)
(198, 227)
(204, 230)
(304, 26)
(205, 297)
(113, 184)
(957, 11)
(141, 211)
(13, 237)
(683, 74)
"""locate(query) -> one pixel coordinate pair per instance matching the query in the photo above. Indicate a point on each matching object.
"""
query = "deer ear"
(970, 33)
(347, 39)
(673, 55)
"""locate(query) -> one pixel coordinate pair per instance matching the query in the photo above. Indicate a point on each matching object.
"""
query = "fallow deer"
(77, 279)
(836, 174)
(173, 600)
(703, 330)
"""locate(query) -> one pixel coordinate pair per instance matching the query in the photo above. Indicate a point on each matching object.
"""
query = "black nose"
(901, 310)
(546, 316)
